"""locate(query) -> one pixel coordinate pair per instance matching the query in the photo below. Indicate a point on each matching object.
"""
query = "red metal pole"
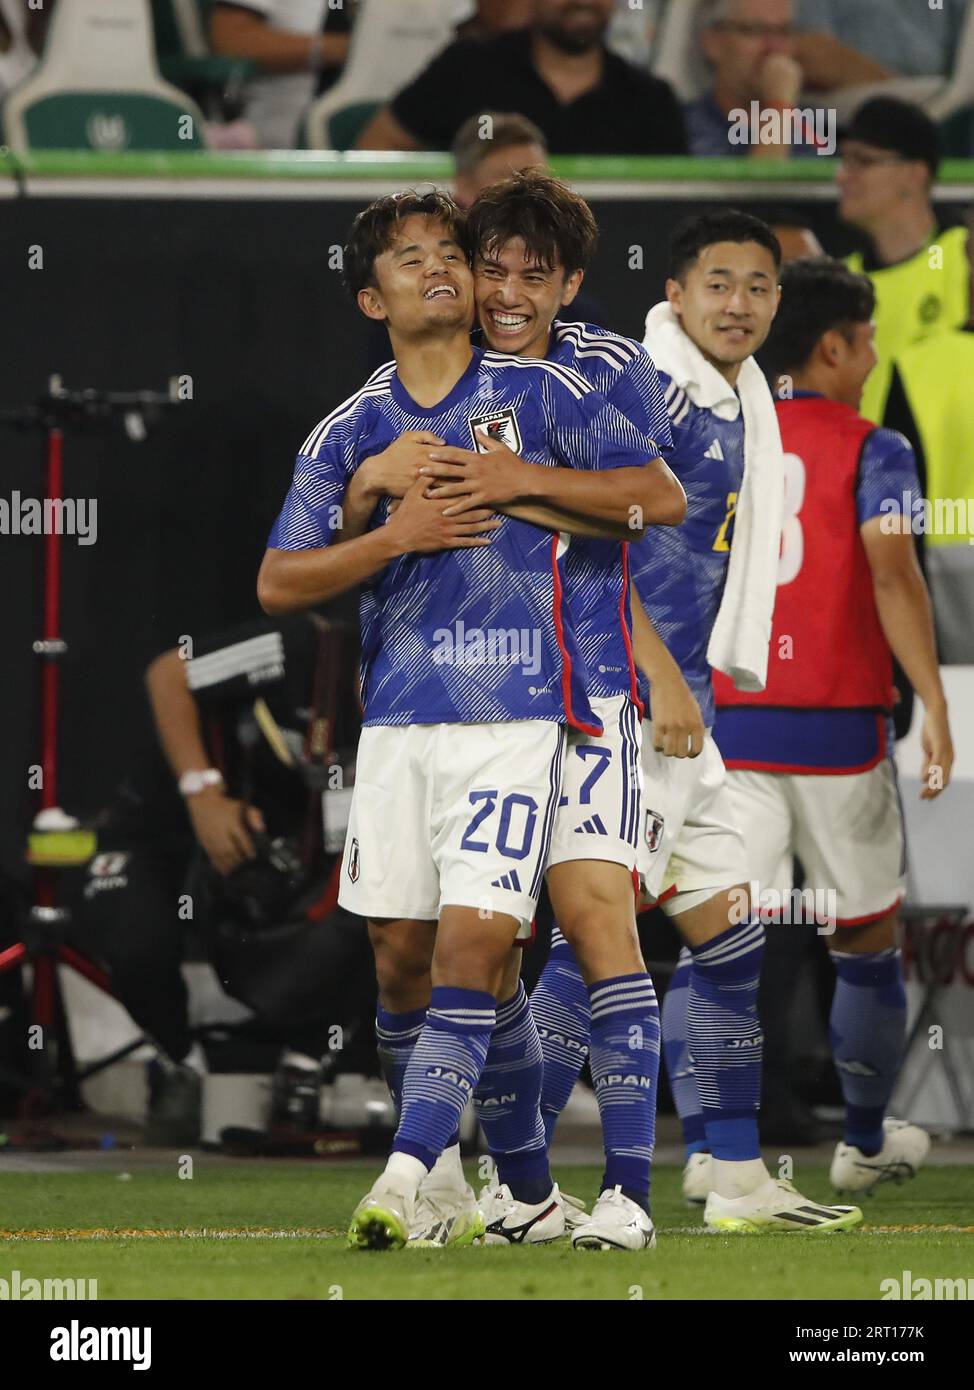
(50, 673)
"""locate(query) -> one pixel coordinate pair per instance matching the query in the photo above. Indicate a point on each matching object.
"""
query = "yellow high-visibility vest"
(938, 378)
(926, 295)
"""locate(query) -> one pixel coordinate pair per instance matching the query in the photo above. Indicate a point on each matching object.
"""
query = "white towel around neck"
(742, 631)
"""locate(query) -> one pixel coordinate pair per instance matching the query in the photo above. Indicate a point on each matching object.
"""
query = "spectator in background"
(930, 401)
(919, 267)
(558, 73)
(482, 159)
(758, 55)
(489, 148)
(292, 50)
(849, 41)
(792, 226)
(750, 45)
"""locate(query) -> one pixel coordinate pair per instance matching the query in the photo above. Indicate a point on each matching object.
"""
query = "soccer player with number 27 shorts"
(693, 848)
(810, 758)
(470, 669)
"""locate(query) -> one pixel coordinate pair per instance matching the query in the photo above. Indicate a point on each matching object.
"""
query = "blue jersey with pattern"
(680, 571)
(598, 579)
(477, 635)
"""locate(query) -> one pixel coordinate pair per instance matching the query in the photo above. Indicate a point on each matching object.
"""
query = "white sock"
(196, 1059)
(447, 1171)
(408, 1172)
(739, 1179)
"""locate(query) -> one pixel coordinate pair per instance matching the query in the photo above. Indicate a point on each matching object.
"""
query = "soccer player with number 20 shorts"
(531, 239)
(810, 758)
(470, 672)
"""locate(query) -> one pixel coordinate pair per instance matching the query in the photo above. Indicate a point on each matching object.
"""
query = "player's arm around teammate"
(292, 580)
(631, 498)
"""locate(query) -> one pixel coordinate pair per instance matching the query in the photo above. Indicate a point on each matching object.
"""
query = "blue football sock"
(867, 1026)
(443, 1070)
(679, 1068)
(508, 1101)
(724, 1039)
(396, 1036)
(625, 1070)
(560, 1006)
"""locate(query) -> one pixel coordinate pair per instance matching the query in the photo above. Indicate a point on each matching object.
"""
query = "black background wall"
(238, 296)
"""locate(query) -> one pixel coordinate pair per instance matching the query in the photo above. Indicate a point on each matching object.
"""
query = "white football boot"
(510, 1222)
(775, 1207)
(383, 1218)
(904, 1148)
(445, 1216)
(616, 1223)
(698, 1179)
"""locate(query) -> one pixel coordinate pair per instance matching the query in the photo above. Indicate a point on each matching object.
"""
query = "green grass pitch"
(267, 1230)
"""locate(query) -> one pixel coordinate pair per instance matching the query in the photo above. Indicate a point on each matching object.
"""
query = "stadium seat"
(391, 43)
(183, 50)
(97, 86)
(676, 54)
(18, 59)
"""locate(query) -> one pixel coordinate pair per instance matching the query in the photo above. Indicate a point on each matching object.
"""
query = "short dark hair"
(705, 229)
(816, 296)
(375, 229)
(507, 129)
(556, 224)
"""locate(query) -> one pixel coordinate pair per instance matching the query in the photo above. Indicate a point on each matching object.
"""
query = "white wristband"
(197, 780)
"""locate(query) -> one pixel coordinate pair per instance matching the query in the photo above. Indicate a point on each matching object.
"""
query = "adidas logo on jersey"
(593, 826)
(500, 425)
(715, 451)
(509, 881)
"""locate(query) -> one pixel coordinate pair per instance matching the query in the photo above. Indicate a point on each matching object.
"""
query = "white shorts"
(453, 815)
(598, 815)
(690, 846)
(847, 830)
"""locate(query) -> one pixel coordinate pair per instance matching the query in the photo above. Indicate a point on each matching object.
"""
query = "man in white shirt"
(285, 39)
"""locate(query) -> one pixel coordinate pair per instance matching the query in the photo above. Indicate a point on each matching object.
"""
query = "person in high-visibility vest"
(930, 401)
(919, 267)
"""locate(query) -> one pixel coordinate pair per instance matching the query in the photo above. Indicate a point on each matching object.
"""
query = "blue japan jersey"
(598, 571)
(680, 571)
(479, 635)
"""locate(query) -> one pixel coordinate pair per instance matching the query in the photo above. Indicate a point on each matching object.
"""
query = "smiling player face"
(727, 300)
(517, 298)
(423, 282)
